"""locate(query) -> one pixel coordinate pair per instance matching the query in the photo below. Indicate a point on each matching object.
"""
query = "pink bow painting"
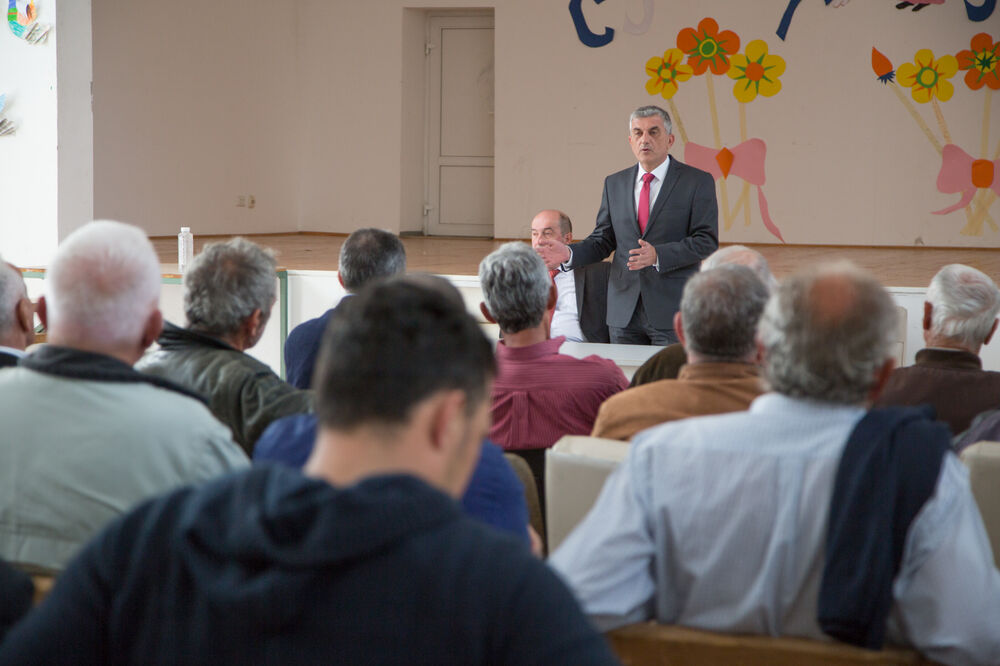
(960, 172)
(745, 161)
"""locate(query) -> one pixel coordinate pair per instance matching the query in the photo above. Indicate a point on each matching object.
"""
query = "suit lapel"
(673, 174)
(633, 173)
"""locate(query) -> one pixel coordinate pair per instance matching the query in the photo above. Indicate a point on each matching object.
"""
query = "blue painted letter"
(589, 38)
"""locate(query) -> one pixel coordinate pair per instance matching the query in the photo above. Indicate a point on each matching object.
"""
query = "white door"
(460, 125)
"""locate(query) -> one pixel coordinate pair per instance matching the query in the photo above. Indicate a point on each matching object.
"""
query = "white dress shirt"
(566, 319)
(719, 523)
(659, 173)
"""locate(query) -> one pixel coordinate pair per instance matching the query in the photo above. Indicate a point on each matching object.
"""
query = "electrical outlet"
(251, 201)
(241, 201)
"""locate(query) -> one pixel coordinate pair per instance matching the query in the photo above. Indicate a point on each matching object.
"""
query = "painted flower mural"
(756, 72)
(981, 62)
(927, 78)
(707, 47)
(666, 72)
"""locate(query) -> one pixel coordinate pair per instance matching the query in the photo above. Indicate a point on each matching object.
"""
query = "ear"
(486, 312)
(568, 238)
(26, 320)
(553, 297)
(151, 331)
(340, 279)
(928, 315)
(42, 309)
(445, 424)
(253, 323)
(679, 328)
(992, 331)
(881, 379)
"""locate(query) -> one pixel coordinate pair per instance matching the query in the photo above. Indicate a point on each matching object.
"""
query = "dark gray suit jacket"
(683, 227)
(592, 300)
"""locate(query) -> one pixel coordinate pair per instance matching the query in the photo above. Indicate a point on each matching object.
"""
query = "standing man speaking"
(661, 219)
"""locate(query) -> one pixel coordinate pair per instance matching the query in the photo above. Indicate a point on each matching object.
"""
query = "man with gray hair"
(367, 255)
(660, 218)
(17, 316)
(809, 515)
(539, 394)
(229, 290)
(717, 325)
(960, 316)
(85, 437)
(667, 363)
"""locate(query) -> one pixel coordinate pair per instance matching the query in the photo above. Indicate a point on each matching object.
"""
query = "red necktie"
(553, 273)
(643, 212)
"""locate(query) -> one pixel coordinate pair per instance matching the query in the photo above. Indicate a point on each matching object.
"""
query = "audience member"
(86, 437)
(808, 515)
(667, 363)
(717, 325)
(960, 316)
(17, 316)
(984, 428)
(364, 558)
(366, 255)
(581, 313)
(540, 395)
(494, 495)
(229, 290)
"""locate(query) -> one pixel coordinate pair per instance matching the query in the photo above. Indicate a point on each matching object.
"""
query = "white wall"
(195, 104)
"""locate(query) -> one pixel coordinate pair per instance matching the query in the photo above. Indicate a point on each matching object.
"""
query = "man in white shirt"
(725, 523)
(581, 307)
(17, 316)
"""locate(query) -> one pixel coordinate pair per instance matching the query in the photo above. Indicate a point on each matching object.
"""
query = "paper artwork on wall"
(974, 12)
(756, 73)
(6, 126)
(22, 18)
(977, 180)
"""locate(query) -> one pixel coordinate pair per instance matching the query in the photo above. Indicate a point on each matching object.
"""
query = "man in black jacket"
(366, 558)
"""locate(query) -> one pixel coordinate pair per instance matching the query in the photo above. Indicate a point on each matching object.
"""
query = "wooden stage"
(893, 266)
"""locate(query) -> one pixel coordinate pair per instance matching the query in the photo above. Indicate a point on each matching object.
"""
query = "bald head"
(103, 290)
(741, 255)
(551, 224)
(17, 328)
(827, 335)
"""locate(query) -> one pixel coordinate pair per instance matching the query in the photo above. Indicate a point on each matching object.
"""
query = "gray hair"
(103, 284)
(515, 286)
(648, 112)
(565, 224)
(369, 254)
(826, 332)
(226, 283)
(965, 304)
(741, 254)
(720, 309)
(12, 290)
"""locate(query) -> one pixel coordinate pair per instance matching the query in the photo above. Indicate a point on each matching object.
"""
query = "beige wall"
(316, 107)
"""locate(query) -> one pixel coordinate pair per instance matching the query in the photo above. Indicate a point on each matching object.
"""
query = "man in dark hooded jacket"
(366, 558)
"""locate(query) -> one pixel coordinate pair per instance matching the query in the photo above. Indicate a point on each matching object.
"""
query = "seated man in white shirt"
(582, 307)
(741, 522)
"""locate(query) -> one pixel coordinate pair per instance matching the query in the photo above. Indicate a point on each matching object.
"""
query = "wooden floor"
(895, 267)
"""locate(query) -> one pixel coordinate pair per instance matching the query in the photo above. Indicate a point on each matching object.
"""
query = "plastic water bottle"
(185, 248)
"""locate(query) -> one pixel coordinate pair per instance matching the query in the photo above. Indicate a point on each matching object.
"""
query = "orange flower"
(707, 47)
(982, 62)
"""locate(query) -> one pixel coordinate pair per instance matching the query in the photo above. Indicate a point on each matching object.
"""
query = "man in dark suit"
(17, 316)
(660, 218)
(582, 305)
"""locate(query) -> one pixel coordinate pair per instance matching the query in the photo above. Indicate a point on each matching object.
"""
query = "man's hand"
(641, 257)
(552, 252)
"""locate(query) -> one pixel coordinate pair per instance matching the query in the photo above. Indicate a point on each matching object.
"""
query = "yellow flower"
(756, 72)
(927, 78)
(666, 72)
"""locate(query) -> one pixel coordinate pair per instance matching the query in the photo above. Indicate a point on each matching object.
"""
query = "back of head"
(826, 332)
(720, 309)
(744, 256)
(102, 286)
(965, 305)
(515, 286)
(12, 290)
(226, 283)
(370, 254)
(395, 344)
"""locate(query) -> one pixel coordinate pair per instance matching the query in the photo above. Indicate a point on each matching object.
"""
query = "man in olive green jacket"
(229, 290)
